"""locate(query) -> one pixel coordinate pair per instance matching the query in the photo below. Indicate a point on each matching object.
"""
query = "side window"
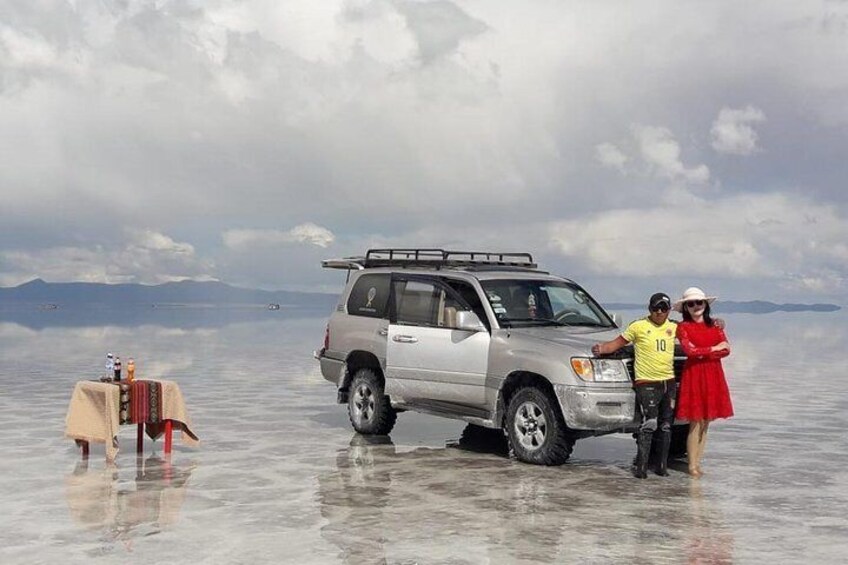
(369, 296)
(423, 303)
(417, 303)
(470, 296)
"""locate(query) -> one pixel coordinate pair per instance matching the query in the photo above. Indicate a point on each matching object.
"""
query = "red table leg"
(169, 430)
(167, 469)
(139, 439)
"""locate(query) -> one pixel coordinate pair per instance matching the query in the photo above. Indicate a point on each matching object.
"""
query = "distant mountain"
(184, 292)
(40, 293)
(751, 307)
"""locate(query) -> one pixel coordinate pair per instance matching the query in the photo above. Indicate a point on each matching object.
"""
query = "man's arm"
(609, 346)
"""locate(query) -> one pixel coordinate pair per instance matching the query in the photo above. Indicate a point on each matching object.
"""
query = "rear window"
(369, 296)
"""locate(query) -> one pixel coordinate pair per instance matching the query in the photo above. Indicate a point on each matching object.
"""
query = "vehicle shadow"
(477, 439)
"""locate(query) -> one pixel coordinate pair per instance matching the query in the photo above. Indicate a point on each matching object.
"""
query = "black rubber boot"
(640, 468)
(664, 445)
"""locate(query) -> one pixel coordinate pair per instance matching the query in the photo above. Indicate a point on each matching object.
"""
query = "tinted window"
(423, 303)
(369, 296)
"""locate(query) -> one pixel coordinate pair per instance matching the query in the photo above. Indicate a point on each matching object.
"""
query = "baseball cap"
(659, 298)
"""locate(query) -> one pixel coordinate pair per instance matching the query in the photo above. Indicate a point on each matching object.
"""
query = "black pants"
(656, 400)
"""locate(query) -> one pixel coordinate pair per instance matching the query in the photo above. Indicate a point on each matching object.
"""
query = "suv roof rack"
(434, 258)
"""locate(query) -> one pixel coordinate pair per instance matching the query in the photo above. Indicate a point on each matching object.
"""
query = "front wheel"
(536, 430)
(369, 410)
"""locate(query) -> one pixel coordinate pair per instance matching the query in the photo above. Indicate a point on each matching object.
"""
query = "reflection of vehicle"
(381, 503)
(482, 337)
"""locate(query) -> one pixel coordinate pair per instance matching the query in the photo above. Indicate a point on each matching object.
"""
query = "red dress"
(703, 390)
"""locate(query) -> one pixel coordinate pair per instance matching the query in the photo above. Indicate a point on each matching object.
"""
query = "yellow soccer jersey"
(653, 347)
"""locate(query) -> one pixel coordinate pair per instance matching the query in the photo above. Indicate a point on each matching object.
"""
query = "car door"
(427, 358)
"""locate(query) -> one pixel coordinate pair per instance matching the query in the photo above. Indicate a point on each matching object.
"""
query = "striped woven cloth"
(146, 402)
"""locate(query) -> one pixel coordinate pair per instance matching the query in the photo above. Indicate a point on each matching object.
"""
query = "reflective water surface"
(280, 475)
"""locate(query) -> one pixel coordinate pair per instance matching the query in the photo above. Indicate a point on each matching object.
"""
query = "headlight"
(600, 370)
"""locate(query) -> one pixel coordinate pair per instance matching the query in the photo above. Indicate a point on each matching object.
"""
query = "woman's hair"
(687, 317)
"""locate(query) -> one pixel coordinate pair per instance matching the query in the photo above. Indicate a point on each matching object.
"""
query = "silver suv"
(487, 338)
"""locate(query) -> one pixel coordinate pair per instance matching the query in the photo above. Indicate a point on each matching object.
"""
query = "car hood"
(579, 338)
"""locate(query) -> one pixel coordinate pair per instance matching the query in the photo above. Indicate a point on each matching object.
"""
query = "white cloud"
(142, 256)
(732, 131)
(746, 237)
(26, 51)
(304, 233)
(611, 156)
(661, 152)
(420, 121)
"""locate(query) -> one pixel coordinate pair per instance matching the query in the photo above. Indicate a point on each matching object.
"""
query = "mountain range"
(173, 293)
(187, 293)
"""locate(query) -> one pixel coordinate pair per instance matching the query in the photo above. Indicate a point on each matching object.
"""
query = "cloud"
(744, 237)
(438, 26)
(732, 132)
(141, 256)
(611, 156)
(661, 152)
(304, 233)
(468, 123)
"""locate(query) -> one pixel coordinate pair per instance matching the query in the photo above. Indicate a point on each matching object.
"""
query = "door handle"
(405, 339)
(383, 331)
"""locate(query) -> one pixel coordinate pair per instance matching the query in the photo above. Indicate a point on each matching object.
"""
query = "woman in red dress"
(703, 391)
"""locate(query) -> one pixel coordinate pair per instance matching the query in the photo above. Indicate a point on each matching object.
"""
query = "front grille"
(678, 367)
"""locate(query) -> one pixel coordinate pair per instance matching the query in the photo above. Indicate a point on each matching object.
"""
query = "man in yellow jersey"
(656, 390)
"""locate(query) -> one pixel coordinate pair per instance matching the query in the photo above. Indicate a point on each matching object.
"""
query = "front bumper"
(598, 409)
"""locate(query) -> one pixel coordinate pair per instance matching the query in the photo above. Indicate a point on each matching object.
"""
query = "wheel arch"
(357, 360)
(519, 379)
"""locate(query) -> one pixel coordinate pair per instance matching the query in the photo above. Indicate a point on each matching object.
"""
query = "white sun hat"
(693, 293)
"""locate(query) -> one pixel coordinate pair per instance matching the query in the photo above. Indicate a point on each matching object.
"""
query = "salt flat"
(281, 476)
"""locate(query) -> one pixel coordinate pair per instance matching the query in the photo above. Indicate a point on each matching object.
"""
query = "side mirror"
(469, 321)
(616, 319)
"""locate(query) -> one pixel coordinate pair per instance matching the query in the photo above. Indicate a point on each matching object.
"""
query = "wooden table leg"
(169, 430)
(139, 438)
(85, 448)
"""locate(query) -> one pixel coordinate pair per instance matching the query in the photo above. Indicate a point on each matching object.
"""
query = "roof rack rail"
(434, 258)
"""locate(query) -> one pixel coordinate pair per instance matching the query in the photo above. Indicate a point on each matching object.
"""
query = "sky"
(630, 146)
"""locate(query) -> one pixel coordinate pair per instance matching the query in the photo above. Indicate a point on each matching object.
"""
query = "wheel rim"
(531, 426)
(363, 404)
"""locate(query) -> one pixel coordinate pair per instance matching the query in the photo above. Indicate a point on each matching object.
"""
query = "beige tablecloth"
(93, 414)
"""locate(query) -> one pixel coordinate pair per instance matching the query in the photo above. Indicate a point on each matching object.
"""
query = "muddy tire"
(536, 430)
(369, 410)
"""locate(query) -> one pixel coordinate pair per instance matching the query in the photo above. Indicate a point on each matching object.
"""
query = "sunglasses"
(694, 303)
(660, 308)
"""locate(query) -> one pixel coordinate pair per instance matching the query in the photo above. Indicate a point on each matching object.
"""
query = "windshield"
(535, 302)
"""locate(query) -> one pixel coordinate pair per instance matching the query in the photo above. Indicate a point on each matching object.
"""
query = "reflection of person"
(653, 346)
(709, 540)
(703, 391)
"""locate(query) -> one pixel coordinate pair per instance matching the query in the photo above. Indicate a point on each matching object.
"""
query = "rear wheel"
(536, 430)
(369, 410)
